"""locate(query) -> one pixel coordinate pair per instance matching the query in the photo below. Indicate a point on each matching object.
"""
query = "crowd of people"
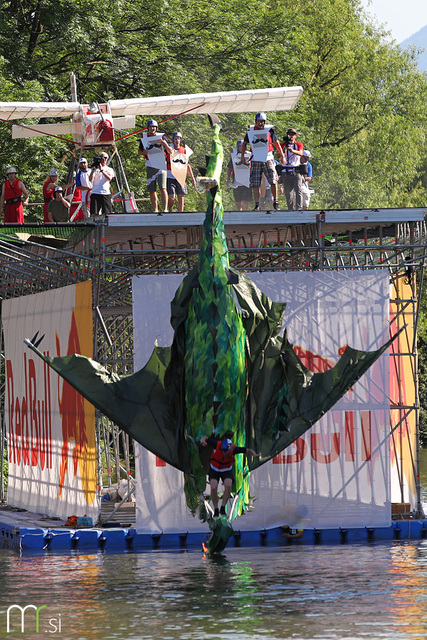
(256, 176)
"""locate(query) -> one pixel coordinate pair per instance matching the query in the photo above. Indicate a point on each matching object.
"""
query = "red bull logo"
(30, 417)
(73, 415)
(51, 428)
(77, 414)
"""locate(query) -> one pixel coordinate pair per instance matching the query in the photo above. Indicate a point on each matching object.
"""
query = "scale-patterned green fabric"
(215, 373)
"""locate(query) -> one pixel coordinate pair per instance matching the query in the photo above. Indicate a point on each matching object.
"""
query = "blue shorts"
(175, 188)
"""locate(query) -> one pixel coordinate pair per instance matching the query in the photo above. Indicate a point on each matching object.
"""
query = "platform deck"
(29, 533)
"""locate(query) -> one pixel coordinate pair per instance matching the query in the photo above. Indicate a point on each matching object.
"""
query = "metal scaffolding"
(110, 251)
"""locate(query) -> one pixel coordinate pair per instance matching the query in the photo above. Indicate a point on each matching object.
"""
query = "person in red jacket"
(48, 190)
(11, 197)
(221, 468)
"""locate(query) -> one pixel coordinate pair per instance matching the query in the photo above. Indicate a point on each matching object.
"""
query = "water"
(369, 592)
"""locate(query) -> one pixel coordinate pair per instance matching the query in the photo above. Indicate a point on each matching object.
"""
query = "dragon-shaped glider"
(228, 369)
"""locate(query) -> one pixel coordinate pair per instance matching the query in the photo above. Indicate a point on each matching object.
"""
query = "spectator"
(178, 167)
(100, 177)
(11, 197)
(48, 190)
(263, 141)
(81, 192)
(292, 179)
(58, 208)
(307, 176)
(155, 163)
(239, 175)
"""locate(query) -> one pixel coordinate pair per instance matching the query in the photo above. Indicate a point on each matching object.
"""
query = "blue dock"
(24, 533)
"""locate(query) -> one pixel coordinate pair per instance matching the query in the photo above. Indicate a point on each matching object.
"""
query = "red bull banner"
(51, 428)
(338, 473)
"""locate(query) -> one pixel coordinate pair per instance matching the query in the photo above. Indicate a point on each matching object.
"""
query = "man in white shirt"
(100, 177)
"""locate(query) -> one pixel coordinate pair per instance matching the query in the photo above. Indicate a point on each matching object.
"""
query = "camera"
(96, 163)
(287, 140)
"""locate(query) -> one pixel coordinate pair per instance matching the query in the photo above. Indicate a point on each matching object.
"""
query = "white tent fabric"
(338, 473)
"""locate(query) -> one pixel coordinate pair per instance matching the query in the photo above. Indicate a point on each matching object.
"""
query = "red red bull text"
(29, 417)
(317, 443)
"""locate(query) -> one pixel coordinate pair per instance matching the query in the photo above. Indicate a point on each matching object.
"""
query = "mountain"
(419, 39)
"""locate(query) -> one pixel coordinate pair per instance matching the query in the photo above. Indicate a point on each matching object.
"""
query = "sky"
(403, 19)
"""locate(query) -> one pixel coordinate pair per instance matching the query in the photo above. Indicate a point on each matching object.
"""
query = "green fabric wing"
(284, 397)
(146, 404)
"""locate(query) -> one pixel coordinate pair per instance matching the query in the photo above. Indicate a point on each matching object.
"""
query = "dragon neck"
(214, 250)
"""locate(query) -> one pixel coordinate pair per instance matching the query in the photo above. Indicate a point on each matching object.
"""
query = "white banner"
(338, 473)
(51, 428)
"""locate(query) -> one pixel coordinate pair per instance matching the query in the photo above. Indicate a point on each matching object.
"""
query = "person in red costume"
(221, 468)
(48, 190)
(11, 197)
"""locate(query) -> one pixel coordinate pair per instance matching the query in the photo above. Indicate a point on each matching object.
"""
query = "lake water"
(369, 592)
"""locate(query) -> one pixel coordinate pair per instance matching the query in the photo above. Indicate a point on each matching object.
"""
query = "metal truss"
(35, 258)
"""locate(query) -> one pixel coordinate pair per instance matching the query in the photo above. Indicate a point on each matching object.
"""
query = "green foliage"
(362, 115)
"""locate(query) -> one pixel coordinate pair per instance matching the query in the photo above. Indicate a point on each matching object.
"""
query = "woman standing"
(11, 197)
(48, 190)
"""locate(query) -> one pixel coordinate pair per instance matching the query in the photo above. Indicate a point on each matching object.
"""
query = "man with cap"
(58, 208)
(48, 190)
(82, 190)
(221, 467)
(155, 163)
(292, 178)
(263, 141)
(11, 197)
(238, 177)
(178, 167)
(100, 177)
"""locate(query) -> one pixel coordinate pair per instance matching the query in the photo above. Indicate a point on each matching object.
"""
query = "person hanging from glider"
(221, 467)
